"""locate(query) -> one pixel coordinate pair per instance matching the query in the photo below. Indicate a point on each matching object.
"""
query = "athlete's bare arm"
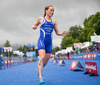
(38, 22)
(57, 31)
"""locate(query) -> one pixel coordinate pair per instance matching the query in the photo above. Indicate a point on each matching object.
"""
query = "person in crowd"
(25, 57)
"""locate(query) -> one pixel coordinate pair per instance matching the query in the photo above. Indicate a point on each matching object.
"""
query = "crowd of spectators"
(92, 48)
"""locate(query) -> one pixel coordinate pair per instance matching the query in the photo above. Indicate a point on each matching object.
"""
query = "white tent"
(18, 53)
(86, 44)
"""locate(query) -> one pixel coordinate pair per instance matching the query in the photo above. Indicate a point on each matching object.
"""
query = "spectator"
(94, 49)
(98, 47)
(88, 50)
(25, 57)
(68, 55)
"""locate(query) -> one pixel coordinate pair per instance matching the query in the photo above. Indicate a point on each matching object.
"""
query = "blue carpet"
(53, 74)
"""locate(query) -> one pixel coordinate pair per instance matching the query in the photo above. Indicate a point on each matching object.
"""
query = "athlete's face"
(50, 11)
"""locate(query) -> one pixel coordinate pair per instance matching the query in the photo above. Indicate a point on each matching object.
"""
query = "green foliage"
(77, 34)
(90, 34)
(93, 22)
(7, 44)
(23, 49)
(55, 50)
(66, 42)
(75, 31)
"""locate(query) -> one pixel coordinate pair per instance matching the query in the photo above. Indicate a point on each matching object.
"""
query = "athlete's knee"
(41, 58)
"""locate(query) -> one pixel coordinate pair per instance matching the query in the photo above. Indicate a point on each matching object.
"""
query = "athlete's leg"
(48, 53)
(41, 61)
(47, 56)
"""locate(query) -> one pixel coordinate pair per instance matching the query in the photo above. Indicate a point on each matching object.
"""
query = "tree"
(75, 31)
(77, 34)
(7, 44)
(55, 49)
(93, 22)
(25, 49)
(67, 42)
(71, 37)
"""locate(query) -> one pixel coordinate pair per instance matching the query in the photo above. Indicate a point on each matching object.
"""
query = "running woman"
(45, 40)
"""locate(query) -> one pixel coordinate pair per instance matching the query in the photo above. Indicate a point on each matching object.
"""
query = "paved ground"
(53, 74)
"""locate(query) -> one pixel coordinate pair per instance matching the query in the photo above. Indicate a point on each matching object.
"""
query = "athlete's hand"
(34, 27)
(64, 34)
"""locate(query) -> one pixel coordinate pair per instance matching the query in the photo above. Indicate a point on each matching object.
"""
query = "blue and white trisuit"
(45, 39)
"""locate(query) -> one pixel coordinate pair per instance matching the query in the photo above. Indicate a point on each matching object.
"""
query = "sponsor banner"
(74, 64)
(54, 61)
(5, 62)
(91, 67)
(61, 62)
(51, 59)
(90, 56)
(10, 61)
(2, 62)
(98, 54)
(87, 56)
(94, 56)
(95, 38)
(77, 56)
(77, 45)
(7, 49)
(69, 48)
(31, 54)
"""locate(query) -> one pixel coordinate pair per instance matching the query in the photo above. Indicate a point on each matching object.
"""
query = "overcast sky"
(18, 16)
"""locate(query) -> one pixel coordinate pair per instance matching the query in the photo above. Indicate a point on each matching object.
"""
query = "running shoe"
(41, 81)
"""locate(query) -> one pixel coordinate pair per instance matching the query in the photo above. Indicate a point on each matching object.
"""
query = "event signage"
(51, 59)
(54, 61)
(10, 61)
(95, 38)
(91, 67)
(77, 45)
(7, 49)
(74, 64)
(61, 62)
(85, 56)
(94, 56)
(69, 48)
(90, 56)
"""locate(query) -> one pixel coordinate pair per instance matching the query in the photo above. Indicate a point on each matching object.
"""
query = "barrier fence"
(91, 55)
(86, 56)
(9, 62)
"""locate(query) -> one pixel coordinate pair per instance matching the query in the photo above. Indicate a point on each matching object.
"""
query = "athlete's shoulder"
(40, 18)
(54, 21)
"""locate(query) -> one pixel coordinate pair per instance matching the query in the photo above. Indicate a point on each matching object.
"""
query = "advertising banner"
(74, 64)
(98, 55)
(7, 49)
(61, 62)
(77, 45)
(31, 54)
(91, 67)
(95, 38)
(92, 55)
